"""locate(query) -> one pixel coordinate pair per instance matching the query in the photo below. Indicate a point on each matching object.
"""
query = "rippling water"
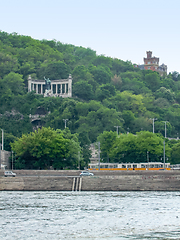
(89, 215)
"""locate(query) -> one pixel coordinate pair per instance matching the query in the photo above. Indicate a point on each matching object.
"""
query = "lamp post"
(117, 128)
(12, 160)
(65, 120)
(164, 146)
(79, 160)
(164, 156)
(153, 122)
(2, 147)
(99, 154)
(165, 128)
(148, 160)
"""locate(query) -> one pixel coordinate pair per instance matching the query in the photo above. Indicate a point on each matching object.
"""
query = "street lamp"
(164, 156)
(12, 160)
(79, 160)
(99, 154)
(117, 128)
(165, 127)
(65, 120)
(164, 146)
(148, 160)
(153, 122)
(2, 147)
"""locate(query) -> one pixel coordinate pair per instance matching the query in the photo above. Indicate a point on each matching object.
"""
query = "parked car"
(86, 173)
(9, 174)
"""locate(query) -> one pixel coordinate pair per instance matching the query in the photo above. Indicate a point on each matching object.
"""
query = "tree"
(97, 121)
(13, 84)
(8, 63)
(175, 153)
(107, 140)
(101, 74)
(83, 90)
(134, 148)
(128, 118)
(45, 148)
(85, 144)
(81, 73)
(119, 66)
(8, 138)
(128, 101)
(124, 149)
(165, 93)
(116, 80)
(151, 143)
(153, 81)
(105, 91)
(54, 70)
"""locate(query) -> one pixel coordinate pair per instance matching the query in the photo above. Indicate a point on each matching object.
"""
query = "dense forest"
(107, 92)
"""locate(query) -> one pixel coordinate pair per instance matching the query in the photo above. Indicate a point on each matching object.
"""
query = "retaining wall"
(101, 181)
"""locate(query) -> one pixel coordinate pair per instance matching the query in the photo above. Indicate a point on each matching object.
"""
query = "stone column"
(65, 88)
(29, 83)
(60, 88)
(70, 86)
(36, 88)
(29, 86)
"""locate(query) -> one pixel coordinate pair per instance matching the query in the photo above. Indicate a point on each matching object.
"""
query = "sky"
(123, 29)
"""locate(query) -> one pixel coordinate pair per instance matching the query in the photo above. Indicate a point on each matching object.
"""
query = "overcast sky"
(123, 29)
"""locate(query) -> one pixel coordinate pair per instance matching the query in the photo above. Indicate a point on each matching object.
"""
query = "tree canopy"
(47, 148)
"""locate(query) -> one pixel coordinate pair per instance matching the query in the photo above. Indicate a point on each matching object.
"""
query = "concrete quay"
(66, 180)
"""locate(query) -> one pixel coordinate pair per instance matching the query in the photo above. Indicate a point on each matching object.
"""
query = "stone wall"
(160, 182)
(36, 183)
(101, 181)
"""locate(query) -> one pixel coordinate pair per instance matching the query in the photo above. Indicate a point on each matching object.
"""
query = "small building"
(57, 88)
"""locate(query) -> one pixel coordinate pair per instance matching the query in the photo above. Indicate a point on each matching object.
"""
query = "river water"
(89, 215)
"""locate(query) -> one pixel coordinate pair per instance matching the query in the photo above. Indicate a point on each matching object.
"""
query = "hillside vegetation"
(107, 92)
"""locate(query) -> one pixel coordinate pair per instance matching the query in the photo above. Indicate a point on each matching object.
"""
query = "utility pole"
(153, 122)
(165, 128)
(79, 160)
(164, 146)
(2, 147)
(164, 156)
(117, 128)
(148, 160)
(12, 160)
(99, 154)
(65, 120)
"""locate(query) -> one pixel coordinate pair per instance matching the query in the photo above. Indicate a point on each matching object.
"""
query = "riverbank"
(50, 180)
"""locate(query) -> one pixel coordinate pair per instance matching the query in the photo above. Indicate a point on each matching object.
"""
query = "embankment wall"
(101, 181)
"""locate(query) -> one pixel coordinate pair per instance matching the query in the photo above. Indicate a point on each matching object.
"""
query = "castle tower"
(151, 63)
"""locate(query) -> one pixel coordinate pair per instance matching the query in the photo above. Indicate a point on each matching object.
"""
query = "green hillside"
(107, 92)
